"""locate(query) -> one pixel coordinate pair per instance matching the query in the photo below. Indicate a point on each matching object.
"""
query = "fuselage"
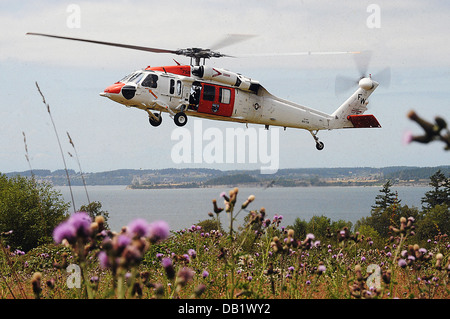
(214, 94)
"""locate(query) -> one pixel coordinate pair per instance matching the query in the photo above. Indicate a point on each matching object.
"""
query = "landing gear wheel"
(180, 119)
(320, 146)
(154, 122)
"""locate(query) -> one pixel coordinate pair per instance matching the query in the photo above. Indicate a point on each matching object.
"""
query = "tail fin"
(349, 114)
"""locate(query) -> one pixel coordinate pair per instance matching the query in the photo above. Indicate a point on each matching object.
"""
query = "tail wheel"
(157, 121)
(180, 119)
(320, 146)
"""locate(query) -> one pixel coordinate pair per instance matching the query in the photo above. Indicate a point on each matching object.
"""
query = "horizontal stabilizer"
(363, 121)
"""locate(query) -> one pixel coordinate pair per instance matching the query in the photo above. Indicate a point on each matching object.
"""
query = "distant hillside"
(199, 177)
(234, 179)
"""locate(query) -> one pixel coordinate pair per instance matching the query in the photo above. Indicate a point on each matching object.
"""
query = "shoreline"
(267, 185)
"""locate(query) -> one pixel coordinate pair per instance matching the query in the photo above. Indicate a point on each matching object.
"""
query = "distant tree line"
(432, 219)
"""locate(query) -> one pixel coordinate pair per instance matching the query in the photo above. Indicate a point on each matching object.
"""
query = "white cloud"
(412, 33)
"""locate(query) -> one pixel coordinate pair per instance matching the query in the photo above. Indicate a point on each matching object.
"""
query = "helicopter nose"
(113, 89)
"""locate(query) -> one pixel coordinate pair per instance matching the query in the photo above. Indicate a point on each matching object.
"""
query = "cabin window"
(172, 86)
(209, 93)
(150, 81)
(178, 87)
(225, 96)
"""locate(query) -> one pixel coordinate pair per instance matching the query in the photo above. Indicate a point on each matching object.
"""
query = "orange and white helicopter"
(218, 94)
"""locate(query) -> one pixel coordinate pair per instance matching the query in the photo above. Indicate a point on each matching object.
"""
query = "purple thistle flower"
(139, 228)
(123, 241)
(187, 258)
(184, 275)
(192, 253)
(94, 279)
(103, 260)
(65, 230)
(402, 263)
(82, 223)
(166, 262)
(158, 230)
(205, 274)
(321, 269)
(168, 266)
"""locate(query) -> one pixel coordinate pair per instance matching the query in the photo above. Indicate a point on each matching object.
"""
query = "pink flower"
(139, 228)
(158, 230)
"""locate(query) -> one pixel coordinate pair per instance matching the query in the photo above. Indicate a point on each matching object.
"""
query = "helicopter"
(213, 93)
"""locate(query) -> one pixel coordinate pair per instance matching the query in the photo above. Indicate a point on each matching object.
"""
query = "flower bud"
(199, 290)
(217, 210)
(36, 284)
(386, 276)
(250, 199)
(100, 220)
(290, 232)
(439, 258)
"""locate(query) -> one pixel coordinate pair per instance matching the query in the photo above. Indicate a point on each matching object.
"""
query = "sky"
(410, 37)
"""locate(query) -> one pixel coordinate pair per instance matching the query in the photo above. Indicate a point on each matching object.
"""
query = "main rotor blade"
(297, 53)
(127, 46)
(231, 39)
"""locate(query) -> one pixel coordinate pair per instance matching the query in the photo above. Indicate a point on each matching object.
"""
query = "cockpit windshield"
(125, 78)
(136, 77)
(133, 77)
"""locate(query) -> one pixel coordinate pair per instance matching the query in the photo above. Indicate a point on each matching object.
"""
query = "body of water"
(183, 207)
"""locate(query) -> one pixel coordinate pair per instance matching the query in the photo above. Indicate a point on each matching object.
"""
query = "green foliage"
(440, 192)
(432, 220)
(300, 228)
(321, 226)
(435, 221)
(94, 209)
(31, 210)
(380, 219)
(209, 224)
(386, 198)
(369, 232)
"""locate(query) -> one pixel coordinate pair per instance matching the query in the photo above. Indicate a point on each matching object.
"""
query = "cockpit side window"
(150, 81)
